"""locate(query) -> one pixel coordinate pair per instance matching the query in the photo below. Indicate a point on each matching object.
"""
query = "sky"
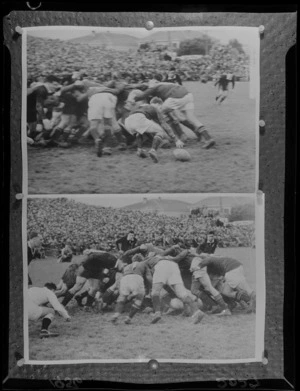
(120, 200)
(224, 34)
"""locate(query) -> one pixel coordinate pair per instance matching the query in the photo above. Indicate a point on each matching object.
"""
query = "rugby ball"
(182, 155)
(176, 304)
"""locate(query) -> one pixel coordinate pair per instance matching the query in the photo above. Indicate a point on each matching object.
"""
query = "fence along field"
(228, 168)
(93, 336)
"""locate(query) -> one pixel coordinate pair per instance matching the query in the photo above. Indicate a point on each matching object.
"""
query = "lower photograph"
(129, 278)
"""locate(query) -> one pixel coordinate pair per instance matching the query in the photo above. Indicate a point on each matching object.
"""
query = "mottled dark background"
(278, 38)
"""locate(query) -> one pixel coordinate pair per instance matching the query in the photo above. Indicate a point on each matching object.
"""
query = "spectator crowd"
(60, 221)
(62, 58)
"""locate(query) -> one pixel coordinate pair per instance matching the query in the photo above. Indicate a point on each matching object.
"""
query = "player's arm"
(56, 305)
(180, 257)
(147, 94)
(167, 128)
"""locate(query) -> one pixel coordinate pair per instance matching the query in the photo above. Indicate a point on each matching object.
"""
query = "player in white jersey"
(38, 300)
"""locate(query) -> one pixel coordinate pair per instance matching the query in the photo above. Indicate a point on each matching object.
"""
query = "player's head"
(156, 102)
(138, 258)
(172, 71)
(157, 78)
(77, 91)
(50, 285)
(53, 83)
(210, 235)
(130, 235)
(35, 240)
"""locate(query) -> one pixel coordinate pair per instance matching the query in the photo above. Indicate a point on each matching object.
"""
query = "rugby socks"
(120, 307)
(80, 297)
(219, 299)
(133, 310)
(68, 297)
(57, 132)
(156, 303)
(46, 323)
(202, 132)
(157, 140)
(243, 296)
(89, 301)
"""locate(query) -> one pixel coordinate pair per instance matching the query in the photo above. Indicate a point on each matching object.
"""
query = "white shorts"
(34, 311)
(236, 279)
(132, 284)
(139, 123)
(185, 103)
(167, 272)
(102, 106)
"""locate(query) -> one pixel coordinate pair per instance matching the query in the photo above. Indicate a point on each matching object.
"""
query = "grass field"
(227, 168)
(93, 336)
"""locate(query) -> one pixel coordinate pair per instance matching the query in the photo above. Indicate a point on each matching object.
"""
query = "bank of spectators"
(62, 58)
(61, 220)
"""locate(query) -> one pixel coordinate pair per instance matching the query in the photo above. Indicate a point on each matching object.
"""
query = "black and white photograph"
(131, 110)
(127, 278)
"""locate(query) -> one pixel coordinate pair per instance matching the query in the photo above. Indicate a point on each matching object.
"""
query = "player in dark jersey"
(235, 284)
(67, 281)
(36, 97)
(178, 108)
(209, 245)
(223, 84)
(91, 268)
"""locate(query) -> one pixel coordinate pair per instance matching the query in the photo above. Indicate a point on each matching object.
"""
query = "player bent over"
(236, 286)
(39, 300)
(91, 269)
(132, 287)
(147, 120)
(200, 279)
(178, 107)
(167, 272)
(102, 103)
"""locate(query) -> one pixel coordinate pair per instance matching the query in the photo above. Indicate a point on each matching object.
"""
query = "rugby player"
(209, 245)
(202, 280)
(178, 107)
(223, 83)
(42, 304)
(147, 120)
(91, 268)
(132, 287)
(166, 272)
(232, 270)
(36, 97)
(102, 102)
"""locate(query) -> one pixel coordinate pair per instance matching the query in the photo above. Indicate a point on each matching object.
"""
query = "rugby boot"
(142, 153)
(127, 320)
(156, 318)
(153, 155)
(48, 334)
(224, 312)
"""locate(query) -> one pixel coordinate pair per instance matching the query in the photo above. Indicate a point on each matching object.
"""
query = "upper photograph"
(131, 110)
